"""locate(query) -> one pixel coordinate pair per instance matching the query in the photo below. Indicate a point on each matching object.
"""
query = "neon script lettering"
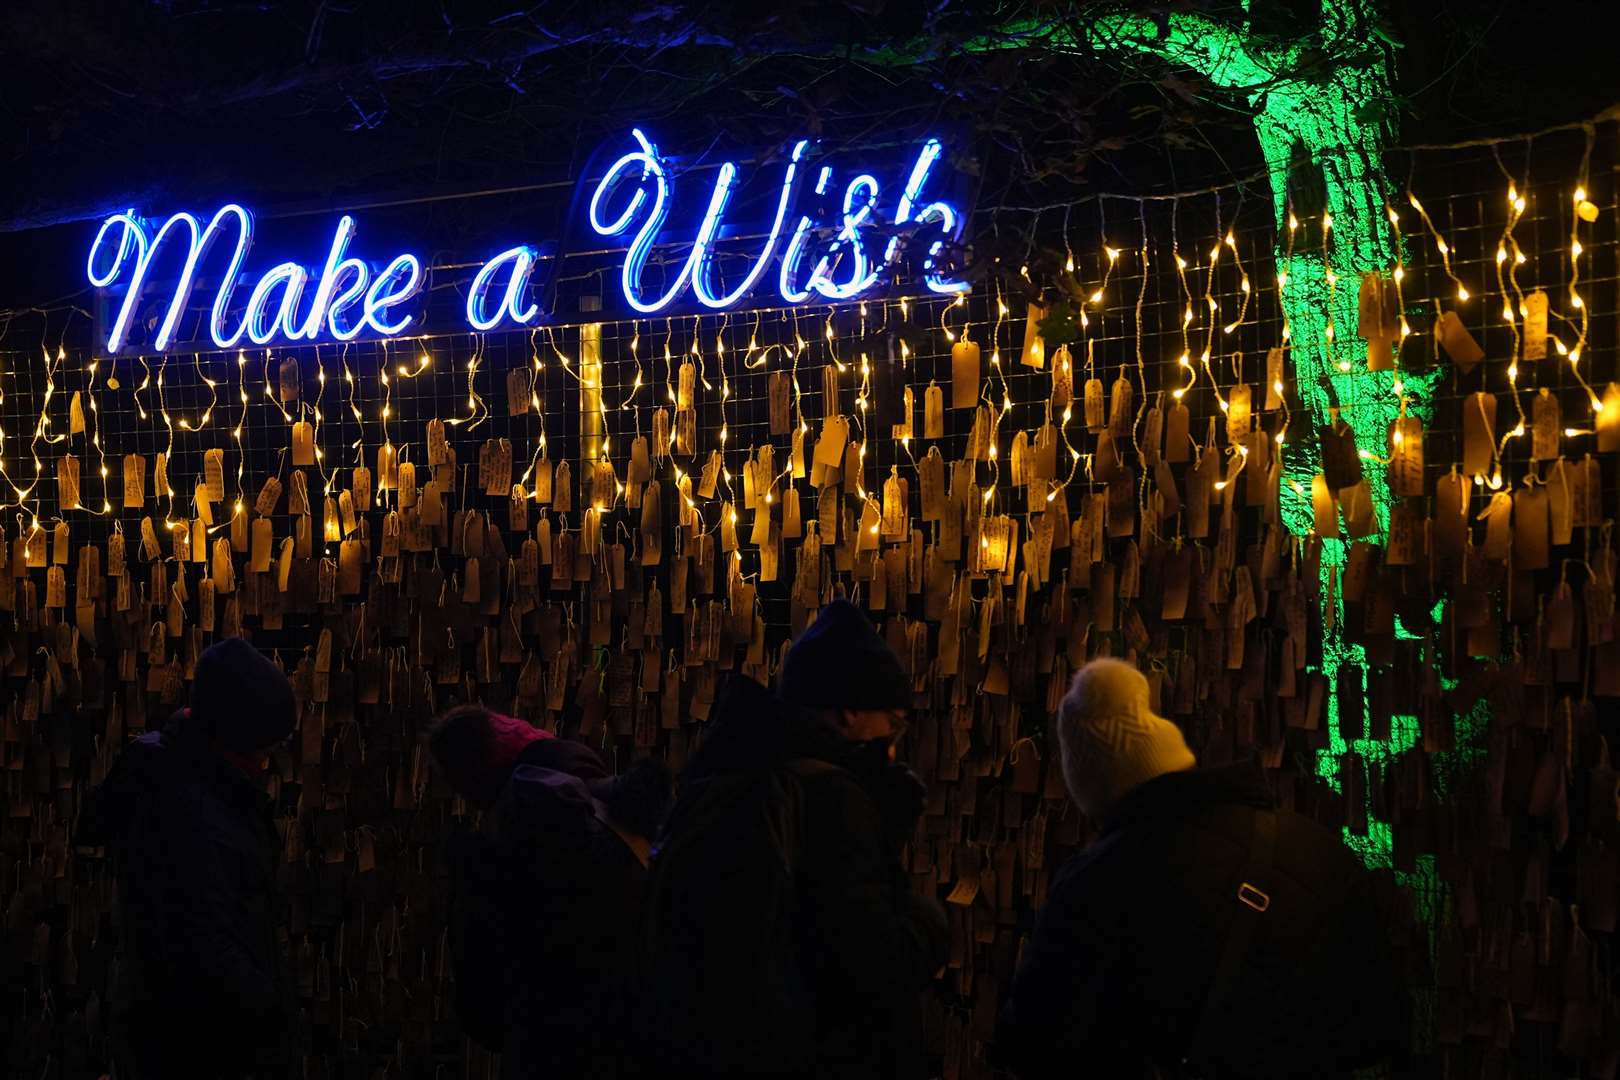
(844, 268)
(831, 252)
(347, 299)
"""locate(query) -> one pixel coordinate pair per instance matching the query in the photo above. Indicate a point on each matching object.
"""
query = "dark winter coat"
(867, 944)
(1124, 952)
(202, 988)
(544, 914)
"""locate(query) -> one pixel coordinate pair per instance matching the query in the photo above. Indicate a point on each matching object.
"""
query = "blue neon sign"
(830, 254)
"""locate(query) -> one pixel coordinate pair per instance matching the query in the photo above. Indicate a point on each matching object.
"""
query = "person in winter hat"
(861, 944)
(203, 989)
(545, 898)
(1203, 932)
(1111, 740)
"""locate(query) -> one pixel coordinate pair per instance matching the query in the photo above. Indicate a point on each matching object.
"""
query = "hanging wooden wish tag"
(1458, 343)
(1534, 339)
(933, 412)
(289, 379)
(1546, 426)
(1606, 419)
(965, 374)
(1406, 456)
(1274, 378)
(1034, 354)
(303, 443)
(1479, 434)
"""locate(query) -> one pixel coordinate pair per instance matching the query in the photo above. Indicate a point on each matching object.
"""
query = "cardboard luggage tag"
(1178, 443)
(1458, 343)
(779, 388)
(542, 475)
(1360, 520)
(1406, 456)
(303, 536)
(303, 443)
(430, 505)
(1259, 486)
(1607, 420)
(1534, 340)
(1451, 494)
(149, 542)
(519, 390)
(1062, 379)
(686, 386)
(213, 481)
(1405, 534)
(197, 541)
(116, 560)
(1586, 492)
(905, 429)
(652, 532)
(289, 379)
(1034, 353)
(966, 372)
(1531, 528)
(1095, 406)
(896, 506)
(135, 480)
(259, 553)
(1121, 409)
(346, 513)
(1479, 434)
(830, 445)
(1200, 480)
(269, 496)
(438, 449)
(67, 482)
(409, 493)
(223, 570)
(1561, 502)
(360, 482)
(709, 479)
(1164, 481)
(517, 509)
(387, 467)
(604, 484)
(160, 474)
(349, 566)
(1546, 426)
(933, 412)
(792, 527)
(331, 524)
(1018, 470)
(543, 540)
(1107, 464)
(1341, 460)
(562, 488)
(1324, 508)
(796, 455)
(1239, 414)
(55, 587)
(297, 492)
(1274, 378)
(1498, 518)
(640, 470)
(1152, 437)
(661, 433)
(981, 439)
(590, 535)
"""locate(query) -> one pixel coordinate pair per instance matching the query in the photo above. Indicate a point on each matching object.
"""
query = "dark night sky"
(166, 105)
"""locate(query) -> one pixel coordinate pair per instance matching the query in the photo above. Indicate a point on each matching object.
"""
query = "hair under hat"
(840, 662)
(1112, 740)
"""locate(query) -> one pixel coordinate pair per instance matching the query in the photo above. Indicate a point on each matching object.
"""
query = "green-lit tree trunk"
(1318, 114)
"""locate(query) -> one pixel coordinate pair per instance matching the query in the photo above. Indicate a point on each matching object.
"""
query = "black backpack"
(720, 990)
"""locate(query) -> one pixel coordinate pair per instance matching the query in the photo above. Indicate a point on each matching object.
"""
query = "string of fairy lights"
(1213, 307)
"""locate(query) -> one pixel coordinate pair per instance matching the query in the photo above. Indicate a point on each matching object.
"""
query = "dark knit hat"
(840, 662)
(240, 699)
(476, 750)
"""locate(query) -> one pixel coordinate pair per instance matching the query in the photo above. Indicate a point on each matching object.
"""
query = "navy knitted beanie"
(242, 700)
(840, 662)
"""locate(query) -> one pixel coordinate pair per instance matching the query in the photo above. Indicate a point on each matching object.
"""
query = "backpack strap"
(1252, 902)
